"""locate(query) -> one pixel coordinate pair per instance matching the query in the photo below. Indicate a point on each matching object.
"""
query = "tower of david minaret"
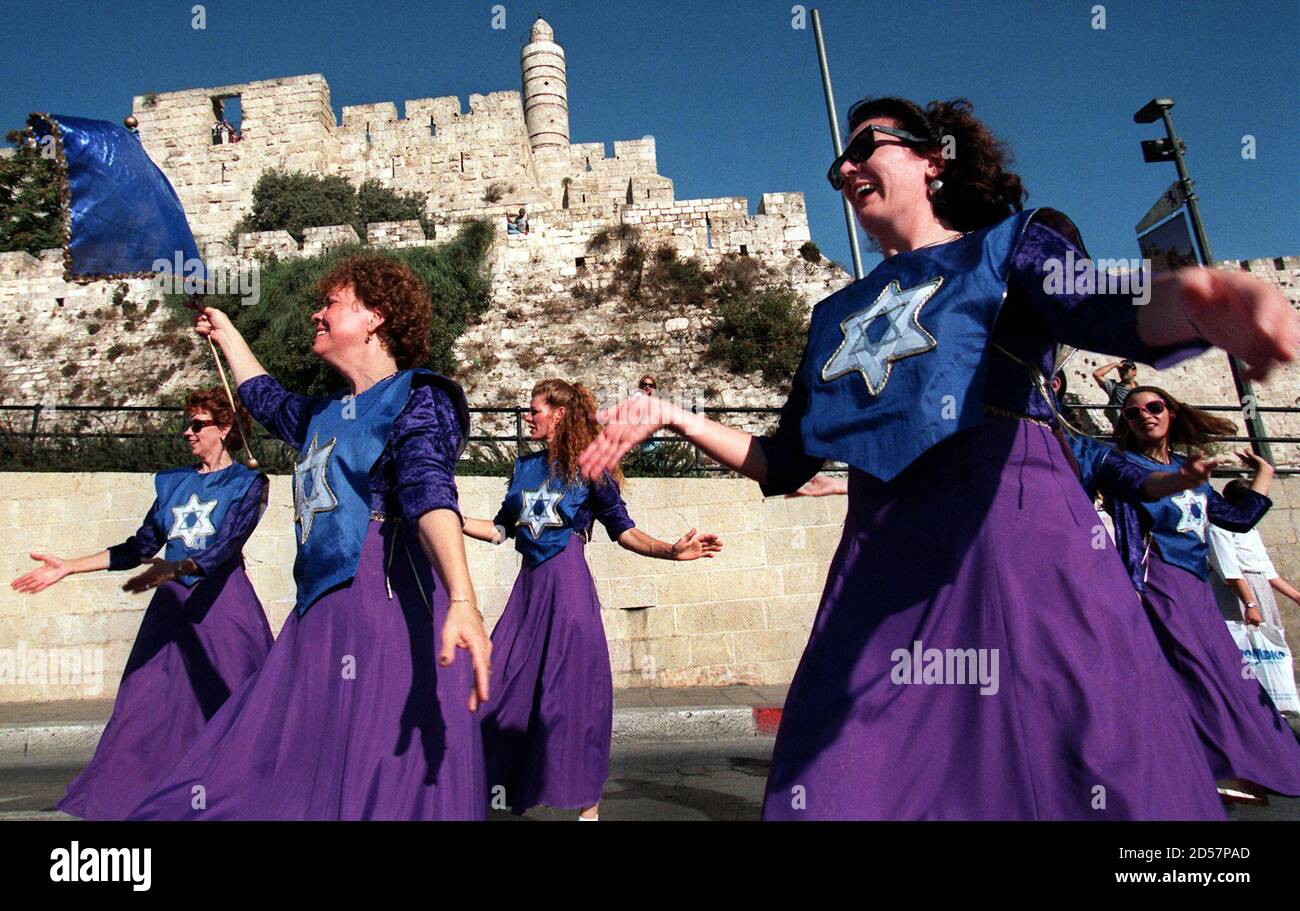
(546, 105)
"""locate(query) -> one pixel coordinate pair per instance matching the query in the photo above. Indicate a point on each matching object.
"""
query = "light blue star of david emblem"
(540, 510)
(312, 466)
(903, 337)
(192, 523)
(1193, 517)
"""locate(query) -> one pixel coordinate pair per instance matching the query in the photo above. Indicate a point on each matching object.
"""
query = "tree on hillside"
(30, 190)
(292, 201)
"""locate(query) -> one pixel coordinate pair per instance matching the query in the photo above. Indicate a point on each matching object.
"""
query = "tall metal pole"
(835, 138)
(1245, 392)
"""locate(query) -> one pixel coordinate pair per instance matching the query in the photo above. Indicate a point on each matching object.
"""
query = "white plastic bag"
(1264, 651)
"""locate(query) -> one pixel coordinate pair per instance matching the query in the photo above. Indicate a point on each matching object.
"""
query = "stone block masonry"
(740, 618)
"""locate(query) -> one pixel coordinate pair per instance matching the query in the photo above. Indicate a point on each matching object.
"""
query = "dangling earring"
(935, 185)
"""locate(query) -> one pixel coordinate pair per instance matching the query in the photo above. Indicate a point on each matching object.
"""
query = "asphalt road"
(714, 780)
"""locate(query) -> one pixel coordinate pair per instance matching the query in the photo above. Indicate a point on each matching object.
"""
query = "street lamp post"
(1171, 148)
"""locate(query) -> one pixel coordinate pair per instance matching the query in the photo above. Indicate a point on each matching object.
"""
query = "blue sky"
(731, 91)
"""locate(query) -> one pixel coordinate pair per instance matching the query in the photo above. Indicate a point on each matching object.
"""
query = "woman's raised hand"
(1253, 460)
(41, 578)
(213, 323)
(1242, 315)
(626, 424)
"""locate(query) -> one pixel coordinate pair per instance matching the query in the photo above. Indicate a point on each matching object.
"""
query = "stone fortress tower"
(544, 78)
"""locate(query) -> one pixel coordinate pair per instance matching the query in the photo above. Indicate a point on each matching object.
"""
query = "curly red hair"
(577, 428)
(384, 284)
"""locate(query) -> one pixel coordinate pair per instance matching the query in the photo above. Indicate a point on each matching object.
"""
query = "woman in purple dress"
(1163, 543)
(203, 634)
(976, 654)
(364, 709)
(546, 733)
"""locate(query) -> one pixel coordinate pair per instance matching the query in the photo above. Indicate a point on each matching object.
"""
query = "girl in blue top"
(546, 733)
(1163, 543)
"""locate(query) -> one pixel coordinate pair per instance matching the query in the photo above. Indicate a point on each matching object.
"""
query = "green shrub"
(760, 329)
(292, 201)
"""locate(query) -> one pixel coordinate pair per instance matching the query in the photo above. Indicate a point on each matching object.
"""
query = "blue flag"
(123, 215)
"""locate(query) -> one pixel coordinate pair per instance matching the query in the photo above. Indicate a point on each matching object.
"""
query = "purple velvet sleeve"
(285, 414)
(426, 439)
(503, 517)
(1118, 477)
(608, 507)
(238, 524)
(1105, 323)
(1238, 517)
(146, 542)
(789, 467)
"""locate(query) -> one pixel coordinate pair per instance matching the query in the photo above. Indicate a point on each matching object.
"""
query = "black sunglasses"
(1153, 407)
(863, 147)
(196, 425)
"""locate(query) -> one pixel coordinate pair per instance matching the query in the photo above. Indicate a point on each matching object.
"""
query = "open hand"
(42, 578)
(159, 571)
(1253, 460)
(1242, 315)
(692, 546)
(629, 422)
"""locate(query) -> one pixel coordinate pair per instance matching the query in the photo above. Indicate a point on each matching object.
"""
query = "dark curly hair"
(1189, 428)
(978, 190)
(578, 428)
(213, 400)
(384, 284)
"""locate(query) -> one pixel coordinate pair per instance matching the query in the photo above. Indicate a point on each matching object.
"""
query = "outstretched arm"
(1242, 315)
(54, 569)
(690, 546)
(482, 530)
(1281, 585)
(631, 421)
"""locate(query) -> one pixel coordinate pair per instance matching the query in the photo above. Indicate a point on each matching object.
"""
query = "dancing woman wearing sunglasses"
(976, 654)
(204, 632)
(1163, 544)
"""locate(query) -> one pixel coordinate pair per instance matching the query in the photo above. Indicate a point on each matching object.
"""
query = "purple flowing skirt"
(988, 554)
(349, 718)
(195, 647)
(546, 731)
(1243, 734)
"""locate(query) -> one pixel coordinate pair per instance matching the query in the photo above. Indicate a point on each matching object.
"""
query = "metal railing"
(33, 423)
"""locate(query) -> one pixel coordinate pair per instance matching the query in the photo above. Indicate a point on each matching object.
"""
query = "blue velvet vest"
(1179, 523)
(192, 506)
(544, 508)
(897, 361)
(331, 483)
